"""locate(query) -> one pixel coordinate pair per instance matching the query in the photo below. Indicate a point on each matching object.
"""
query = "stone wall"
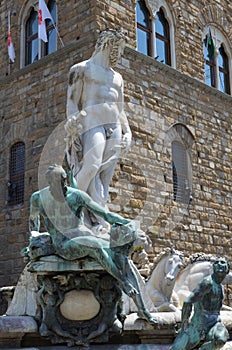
(33, 104)
(205, 224)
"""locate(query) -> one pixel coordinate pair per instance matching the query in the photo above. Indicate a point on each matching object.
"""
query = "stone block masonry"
(33, 103)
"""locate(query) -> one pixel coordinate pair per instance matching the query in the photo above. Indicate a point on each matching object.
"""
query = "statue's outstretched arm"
(126, 131)
(100, 211)
(199, 292)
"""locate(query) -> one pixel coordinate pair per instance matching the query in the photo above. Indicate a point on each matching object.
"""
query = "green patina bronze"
(61, 209)
(204, 331)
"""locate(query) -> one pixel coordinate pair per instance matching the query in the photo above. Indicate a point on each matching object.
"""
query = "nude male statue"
(61, 208)
(205, 328)
(97, 127)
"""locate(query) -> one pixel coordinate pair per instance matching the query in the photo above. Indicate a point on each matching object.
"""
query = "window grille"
(16, 182)
(181, 185)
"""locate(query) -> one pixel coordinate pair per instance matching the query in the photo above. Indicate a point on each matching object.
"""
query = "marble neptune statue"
(97, 127)
(61, 209)
(205, 330)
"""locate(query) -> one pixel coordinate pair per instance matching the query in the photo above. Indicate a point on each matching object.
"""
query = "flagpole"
(11, 51)
(45, 14)
(39, 49)
(8, 58)
(58, 34)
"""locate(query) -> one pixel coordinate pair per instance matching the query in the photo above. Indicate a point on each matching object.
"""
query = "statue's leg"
(217, 337)
(143, 312)
(104, 257)
(186, 340)
(181, 342)
(93, 142)
(212, 345)
(80, 247)
(110, 159)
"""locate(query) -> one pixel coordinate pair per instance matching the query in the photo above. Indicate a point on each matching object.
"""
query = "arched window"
(35, 48)
(16, 172)
(162, 34)
(143, 28)
(181, 185)
(223, 66)
(155, 31)
(181, 146)
(216, 60)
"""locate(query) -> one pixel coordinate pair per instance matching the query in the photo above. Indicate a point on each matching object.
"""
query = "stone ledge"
(53, 263)
(13, 328)
(166, 320)
(17, 324)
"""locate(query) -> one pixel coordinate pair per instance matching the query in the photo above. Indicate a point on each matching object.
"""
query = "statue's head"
(55, 174)
(56, 177)
(221, 266)
(115, 40)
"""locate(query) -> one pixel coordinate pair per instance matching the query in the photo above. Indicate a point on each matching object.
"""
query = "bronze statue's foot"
(146, 315)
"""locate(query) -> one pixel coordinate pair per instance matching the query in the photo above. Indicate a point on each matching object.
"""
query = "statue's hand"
(130, 290)
(74, 125)
(126, 141)
(70, 125)
(146, 315)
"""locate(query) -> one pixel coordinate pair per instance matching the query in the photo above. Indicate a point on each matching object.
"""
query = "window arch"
(181, 147)
(16, 174)
(155, 31)
(143, 32)
(217, 60)
(32, 48)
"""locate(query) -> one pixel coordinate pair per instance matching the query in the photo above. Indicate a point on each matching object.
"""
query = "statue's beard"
(58, 192)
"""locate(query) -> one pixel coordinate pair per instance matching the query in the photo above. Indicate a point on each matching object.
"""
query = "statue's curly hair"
(109, 37)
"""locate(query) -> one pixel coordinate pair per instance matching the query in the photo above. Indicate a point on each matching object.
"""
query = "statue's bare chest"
(95, 74)
(213, 300)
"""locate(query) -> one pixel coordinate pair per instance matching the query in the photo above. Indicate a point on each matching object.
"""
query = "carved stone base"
(77, 306)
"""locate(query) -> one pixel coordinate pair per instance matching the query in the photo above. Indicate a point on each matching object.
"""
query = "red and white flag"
(42, 15)
(11, 51)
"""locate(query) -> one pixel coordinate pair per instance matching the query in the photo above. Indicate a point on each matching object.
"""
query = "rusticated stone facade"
(157, 96)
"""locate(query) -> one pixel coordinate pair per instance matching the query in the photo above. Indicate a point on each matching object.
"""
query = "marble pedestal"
(72, 302)
(46, 305)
